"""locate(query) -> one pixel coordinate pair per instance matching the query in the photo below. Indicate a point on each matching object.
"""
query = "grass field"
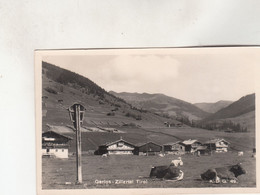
(133, 171)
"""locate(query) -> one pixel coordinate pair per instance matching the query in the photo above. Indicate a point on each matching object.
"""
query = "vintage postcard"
(147, 121)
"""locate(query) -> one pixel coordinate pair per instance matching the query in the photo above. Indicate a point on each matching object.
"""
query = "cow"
(177, 162)
(167, 173)
(161, 155)
(104, 155)
(228, 173)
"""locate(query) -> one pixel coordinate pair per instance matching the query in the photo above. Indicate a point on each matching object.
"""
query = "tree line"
(226, 125)
(67, 77)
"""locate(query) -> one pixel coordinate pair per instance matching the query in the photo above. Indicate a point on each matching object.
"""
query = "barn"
(55, 144)
(174, 148)
(191, 145)
(149, 148)
(117, 147)
(218, 145)
(202, 150)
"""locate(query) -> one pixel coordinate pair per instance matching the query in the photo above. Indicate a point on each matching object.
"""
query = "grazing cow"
(177, 162)
(166, 172)
(161, 155)
(229, 173)
(104, 155)
(240, 153)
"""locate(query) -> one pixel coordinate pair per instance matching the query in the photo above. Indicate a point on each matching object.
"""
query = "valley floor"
(238, 141)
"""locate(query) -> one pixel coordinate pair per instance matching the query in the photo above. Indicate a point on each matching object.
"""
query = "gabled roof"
(172, 143)
(142, 144)
(56, 133)
(111, 143)
(189, 142)
(213, 141)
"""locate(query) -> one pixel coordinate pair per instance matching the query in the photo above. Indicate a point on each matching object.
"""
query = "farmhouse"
(218, 145)
(202, 150)
(55, 144)
(149, 148)
(174, 148)
(191, 145)
(168, 124)
(118, 147)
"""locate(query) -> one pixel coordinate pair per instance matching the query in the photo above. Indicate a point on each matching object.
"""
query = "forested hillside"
(61, 88)
(162, 104)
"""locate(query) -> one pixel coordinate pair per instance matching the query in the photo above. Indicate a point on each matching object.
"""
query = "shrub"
(111, 114)
(115, 109)
(50, 90)
(117, 105)
(136, 117)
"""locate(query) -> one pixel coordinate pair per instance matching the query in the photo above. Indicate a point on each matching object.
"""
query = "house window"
(56, 150)
(62, 150)
(47, 150)
(120, 144)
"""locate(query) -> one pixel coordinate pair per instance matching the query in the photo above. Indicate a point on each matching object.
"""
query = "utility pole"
(76, 112)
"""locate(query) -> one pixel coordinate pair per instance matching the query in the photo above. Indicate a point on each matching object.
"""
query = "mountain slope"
(245, 120)
(242, 106)
(61, 88)
(213, 107)
(238, 116)
(162, 104)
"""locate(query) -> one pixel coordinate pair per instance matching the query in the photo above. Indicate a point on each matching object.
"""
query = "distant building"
(118, 147)
(191, 145)
(218, 145)
(55, 144)
(174, 148)
(202, 150)
(168, 124)
(149, 148)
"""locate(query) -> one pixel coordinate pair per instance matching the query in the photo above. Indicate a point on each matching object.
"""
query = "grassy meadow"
(133, 171)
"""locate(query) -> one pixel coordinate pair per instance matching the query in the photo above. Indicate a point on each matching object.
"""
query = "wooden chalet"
(149, 148)
(117, 147)
(202, 150)
(55, 144)
(174, 148)
(217, 145)
(191, 145)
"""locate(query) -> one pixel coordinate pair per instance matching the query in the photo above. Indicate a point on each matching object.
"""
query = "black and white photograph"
(129, 97)
(161, 118)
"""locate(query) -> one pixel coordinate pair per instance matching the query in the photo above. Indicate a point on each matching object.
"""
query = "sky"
(191, 75)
